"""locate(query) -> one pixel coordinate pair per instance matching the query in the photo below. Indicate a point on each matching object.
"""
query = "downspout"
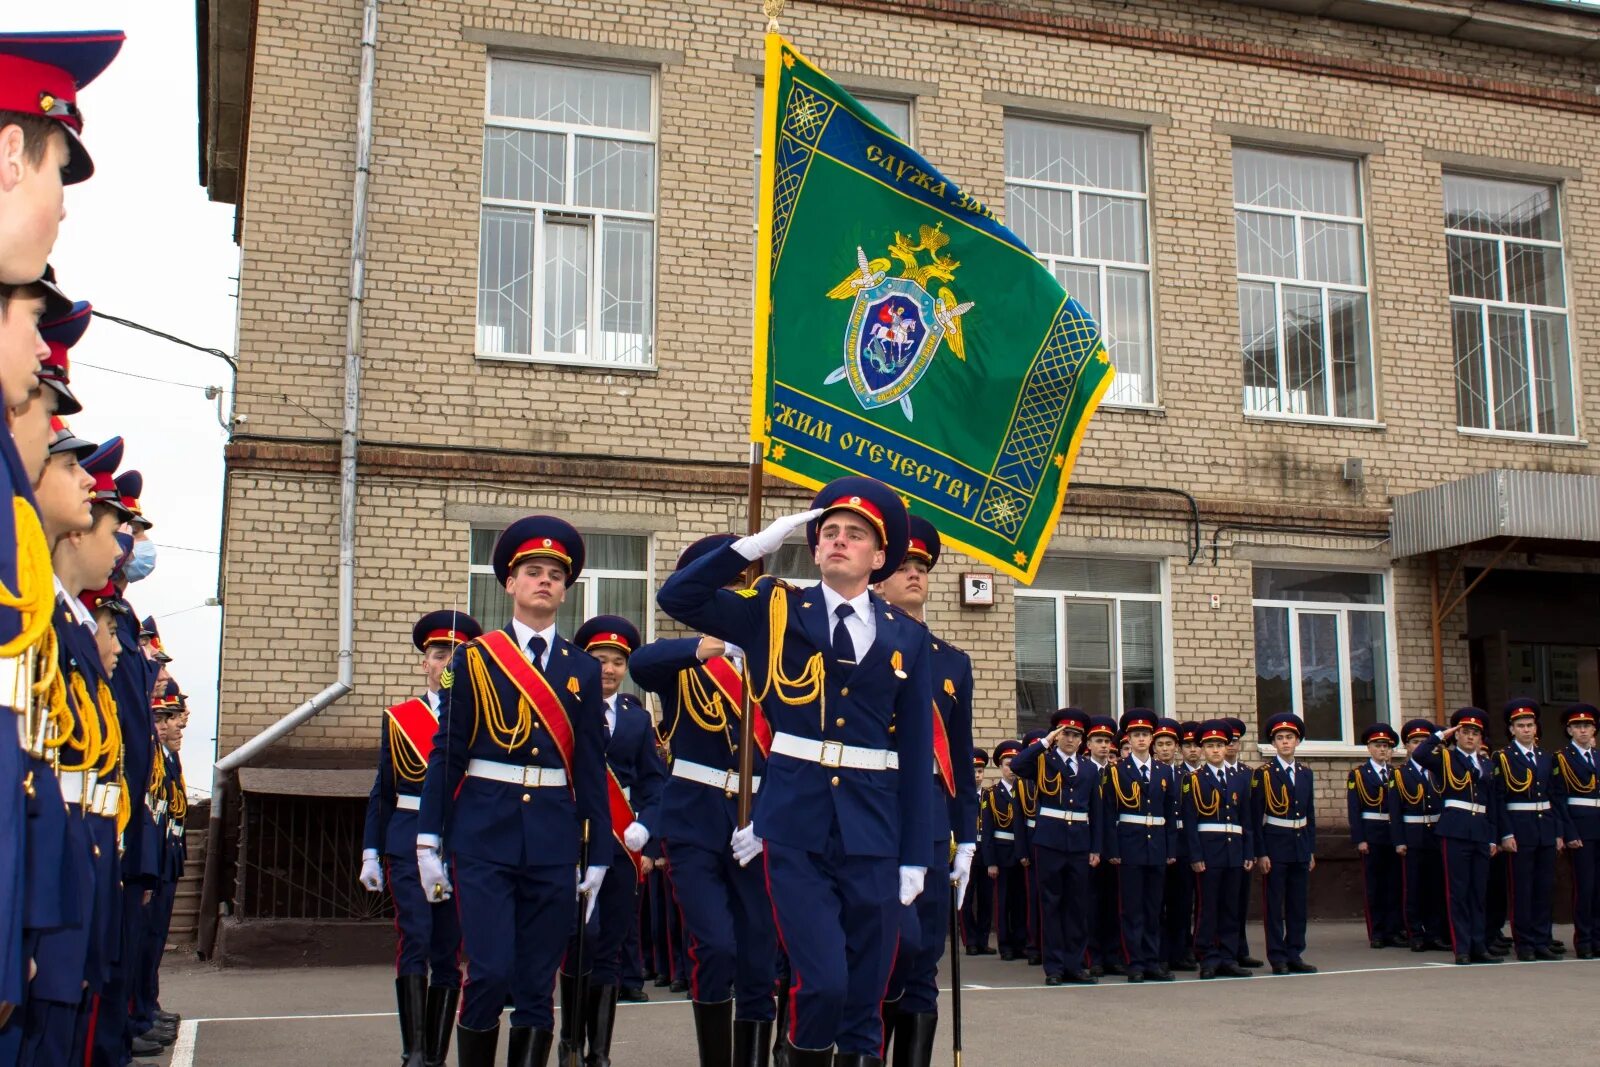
(348, 435)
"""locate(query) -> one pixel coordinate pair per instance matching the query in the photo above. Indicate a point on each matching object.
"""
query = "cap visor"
(79, 168)
(67, 404)
(76, 445)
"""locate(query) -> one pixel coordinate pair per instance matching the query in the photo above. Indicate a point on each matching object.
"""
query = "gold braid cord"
(1030, 808)
(1127, 800)
(1000, 820)
(1400, 787)
(1048, 786)
(1198, 792)
(705, 705)
(35, 594)
(1571, 776)
(1510, 776)
(158, 774)
(1277, 806)
(508, 735)
(407, 763)
(1452, 781)
(111, 744)
(1361, 787)
(89, 742)
(808, 685)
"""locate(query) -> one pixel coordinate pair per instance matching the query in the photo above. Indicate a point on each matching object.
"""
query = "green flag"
(903, 333)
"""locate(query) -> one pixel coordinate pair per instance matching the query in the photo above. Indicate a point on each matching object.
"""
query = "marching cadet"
(1414, 804)
(1066, 843)
(1216, 820)
(838, 820)
(1105, 932)
(1284, 820)
(634, 774)
(1466, 827)
(1369, 804)
(977, 911)
(1028, 800)
(516, 783)
(1529, 829)
(726, 913)
(1140, 800)
(1004, 840)
(911, 1002)
(1177, 897)
(427, 961)
(1577, 793)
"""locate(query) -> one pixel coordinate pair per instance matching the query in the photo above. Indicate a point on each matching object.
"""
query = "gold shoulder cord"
(408, 765)
(1023, 793)
(1277, 806)
(1197, 790)
(1400, 787)
(1129, 799)
(507, 735)
(1451, 780)
(88, 743)
(1002, 821)
(1361, 788)
(1571, 776)
(1510, 776)
(1048, 786)
(808, 686)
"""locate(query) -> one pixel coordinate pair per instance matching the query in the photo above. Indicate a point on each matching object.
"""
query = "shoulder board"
(1186, 785)
(750, 591)
(772, 581)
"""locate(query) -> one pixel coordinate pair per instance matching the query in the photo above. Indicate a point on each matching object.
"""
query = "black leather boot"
(410, 994)
(752, 1044)
(855, 1059)
(602, 1020)
(519, 1043)
(439, 1018)
(889, 1010)
(801, 1057)
(913, 1039)
(572, 1015)
(713, 1033)
(476, 1048)
(539, 1049)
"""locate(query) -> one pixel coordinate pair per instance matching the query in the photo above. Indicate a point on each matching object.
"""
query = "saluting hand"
(768, 541)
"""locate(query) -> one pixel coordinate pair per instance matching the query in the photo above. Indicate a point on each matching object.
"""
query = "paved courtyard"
(1365, 1007)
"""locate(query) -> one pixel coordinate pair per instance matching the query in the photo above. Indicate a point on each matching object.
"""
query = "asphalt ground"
(1365, 1006)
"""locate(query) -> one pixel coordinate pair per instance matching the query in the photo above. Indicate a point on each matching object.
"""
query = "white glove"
(590, 885)
(732, 651)
(636, 836)
(435, 883)
(961, 871)
(911, 879)
(746, 845)
(768, 541)
(371, 872)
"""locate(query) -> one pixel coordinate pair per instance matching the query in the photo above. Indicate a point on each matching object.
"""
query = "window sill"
(1328, 421)
(1552, 440)
(1154, 411)
(648, 371)
(1318, 750)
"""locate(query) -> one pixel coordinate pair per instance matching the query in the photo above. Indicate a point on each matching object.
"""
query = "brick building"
(1341, 259)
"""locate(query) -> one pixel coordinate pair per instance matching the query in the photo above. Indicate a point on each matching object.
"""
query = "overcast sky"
(142, 242)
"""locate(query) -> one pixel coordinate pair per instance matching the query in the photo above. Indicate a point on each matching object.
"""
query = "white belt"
(1376, 816)
(727, 781)
(1218, 828)
(1425, 820)
(835, 753)
(13, 691)
(1287, 824)
(1583, 802)
(1179, 824)
(75, 785)
(1004, 835)
(1064, 816)
(1143, 820)
(516, 774)
(1032, 823)
(1476, 809)
(1523, 805)
(408, 802)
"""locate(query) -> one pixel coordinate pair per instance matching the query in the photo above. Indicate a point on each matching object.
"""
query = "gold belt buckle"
(530, 776)
(832, 754)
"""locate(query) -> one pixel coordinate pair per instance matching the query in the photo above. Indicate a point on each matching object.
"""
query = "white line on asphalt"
(183, 1048)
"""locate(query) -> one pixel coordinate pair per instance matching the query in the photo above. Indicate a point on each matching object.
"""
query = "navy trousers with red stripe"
(1285, 899)
(924, 933)
(1585, 894)
(1011, 910)
(731, 943)
(428, 935)
(615, 913)
(515, 922)
(1466, 881)
(1530, 878)
(1140, 888)
(839, 921)
(1216, 939)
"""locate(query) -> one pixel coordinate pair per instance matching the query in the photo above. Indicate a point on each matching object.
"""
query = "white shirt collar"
(1381, 768)
(831, 601)
(76, 609)
(1286, 766)
(1141, 765)
(1524, 749)
(523, 632)
(432, 697)
(1007, 786)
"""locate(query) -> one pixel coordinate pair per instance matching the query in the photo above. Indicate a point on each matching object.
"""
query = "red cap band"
(35, 88)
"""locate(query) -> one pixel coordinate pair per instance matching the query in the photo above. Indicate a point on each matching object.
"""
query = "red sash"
(941, 752)
(417, 723)
(533, 686)
(621, 819)
(731, 683)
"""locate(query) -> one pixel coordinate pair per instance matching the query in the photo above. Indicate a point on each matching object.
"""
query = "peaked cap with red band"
(147, 628)
(1071, 718)
(1189, 732)
(1418, 728)
(1139, 719)
(1521, 708)
(1168, 728)
(980, 758)
(539, 537)
(60, 333)
(1379, 731)
(41, 74)
(1286, 720)
(106, 597)
(1470, 717)
(130, 486)
(875, 502)
(62, 439)
(1103, 726)
(1008, 747)
(1214, 730)
(1580, 713)
(445, 627)
(608, 631)
(704, 547)
(102, 467)
(924, 543)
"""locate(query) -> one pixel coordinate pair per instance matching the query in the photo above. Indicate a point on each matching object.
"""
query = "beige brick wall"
(423, 385)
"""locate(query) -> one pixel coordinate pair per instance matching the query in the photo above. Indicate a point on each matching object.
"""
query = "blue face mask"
(142, 562)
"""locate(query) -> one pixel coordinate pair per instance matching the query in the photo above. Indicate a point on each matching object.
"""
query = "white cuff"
(428, 841)
(368, 854)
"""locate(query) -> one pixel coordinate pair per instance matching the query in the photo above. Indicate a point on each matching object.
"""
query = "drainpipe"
(348, 436)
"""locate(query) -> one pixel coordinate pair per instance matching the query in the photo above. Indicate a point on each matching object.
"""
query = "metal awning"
(1530, 505)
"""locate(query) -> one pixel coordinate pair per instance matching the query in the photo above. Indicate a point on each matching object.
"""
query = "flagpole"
(747, 738)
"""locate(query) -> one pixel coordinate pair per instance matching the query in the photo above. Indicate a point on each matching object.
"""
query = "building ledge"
(1526, 25)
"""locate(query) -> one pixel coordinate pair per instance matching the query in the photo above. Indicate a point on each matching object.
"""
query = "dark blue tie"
(844, 649)
(536, 650)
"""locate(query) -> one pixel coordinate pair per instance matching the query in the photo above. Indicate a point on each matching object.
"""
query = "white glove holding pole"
(371, 871)
(768, 541)
(746, 845)
(435, 883)
(911, 879)
(961, 871)
(590, 886)
(636, 836)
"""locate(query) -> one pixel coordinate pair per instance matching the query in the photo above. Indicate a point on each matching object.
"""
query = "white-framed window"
(567, 225)
(1323, 649)
(1091, 633)
(616, 580)
(1508, 306)
(793, 562)
(895, 112)
(1304, 328)
(1078, 197)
